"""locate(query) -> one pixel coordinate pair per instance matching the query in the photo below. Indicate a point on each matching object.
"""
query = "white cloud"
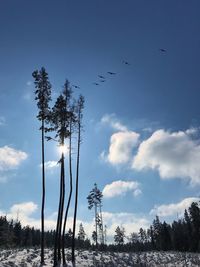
(113, 122)
(119, 188)
(173, 208)
(173, 155)
(121, 142)
(10, 158)
(24, 209)
(121, 146)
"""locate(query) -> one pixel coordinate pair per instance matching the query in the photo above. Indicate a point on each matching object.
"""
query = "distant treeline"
(180, 235)
(13, 235)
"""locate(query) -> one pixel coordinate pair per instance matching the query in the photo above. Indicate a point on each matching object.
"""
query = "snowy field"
(30, 258)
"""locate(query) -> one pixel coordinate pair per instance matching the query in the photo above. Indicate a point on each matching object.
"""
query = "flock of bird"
(102, 78)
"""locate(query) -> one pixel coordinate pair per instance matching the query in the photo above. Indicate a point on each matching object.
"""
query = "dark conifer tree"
(194, 212)
(43, 96)
(188, 230)
(119, 236)
(81, 236)
(17, 234)
(94, 200)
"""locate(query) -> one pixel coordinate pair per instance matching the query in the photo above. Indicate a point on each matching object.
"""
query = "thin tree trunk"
(56, 243)
(69, 198)
(61, 207)
(102, 233)
(43, 198)
(76, 194)
(95, 208)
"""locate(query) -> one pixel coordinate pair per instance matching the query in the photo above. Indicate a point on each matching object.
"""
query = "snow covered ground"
(31, 258)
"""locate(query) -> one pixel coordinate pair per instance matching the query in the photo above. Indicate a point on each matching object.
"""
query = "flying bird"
(111, 73)
(101, 77)
(76, 86)
(126, 62)
(102, 81)
(96, 83)
(163, 50)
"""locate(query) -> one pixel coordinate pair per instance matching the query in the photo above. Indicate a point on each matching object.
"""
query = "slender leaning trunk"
(102, 233)
(43, 198)
(69, 199)
(61, 208)
(56, 242)
(95, 207)
(76, 194)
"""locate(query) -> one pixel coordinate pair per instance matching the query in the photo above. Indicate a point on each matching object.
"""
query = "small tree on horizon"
(119, 236)
(94, 200)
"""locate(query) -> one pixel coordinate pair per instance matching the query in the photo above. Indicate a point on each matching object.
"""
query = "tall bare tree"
(80, 106)
(43, 96)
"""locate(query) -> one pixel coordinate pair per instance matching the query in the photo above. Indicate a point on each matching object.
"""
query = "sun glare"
(62, 149)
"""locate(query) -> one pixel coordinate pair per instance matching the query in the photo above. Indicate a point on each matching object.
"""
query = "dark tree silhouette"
(43, 96)
(72, 120)
(60, 123)
(119, 236)
(81, 236)
(79, 111)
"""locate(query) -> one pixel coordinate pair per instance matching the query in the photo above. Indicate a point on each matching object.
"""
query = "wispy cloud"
(28, 93)
(2, 120)
(11, 158)
(49, 165)
(120, 188)
(29, 83)
(172, 209)
(113, 122)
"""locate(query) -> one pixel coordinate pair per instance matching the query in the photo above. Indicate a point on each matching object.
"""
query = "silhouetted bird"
(95, 83)
(102, 77)
(111, 73)
(126, 62)
(163, 50)
(102, 81)
(76, 86)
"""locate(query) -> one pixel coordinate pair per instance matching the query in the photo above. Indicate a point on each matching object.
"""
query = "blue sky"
(141, 126)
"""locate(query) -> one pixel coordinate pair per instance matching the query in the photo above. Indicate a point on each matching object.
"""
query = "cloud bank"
(25, 213)
(173, 208)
